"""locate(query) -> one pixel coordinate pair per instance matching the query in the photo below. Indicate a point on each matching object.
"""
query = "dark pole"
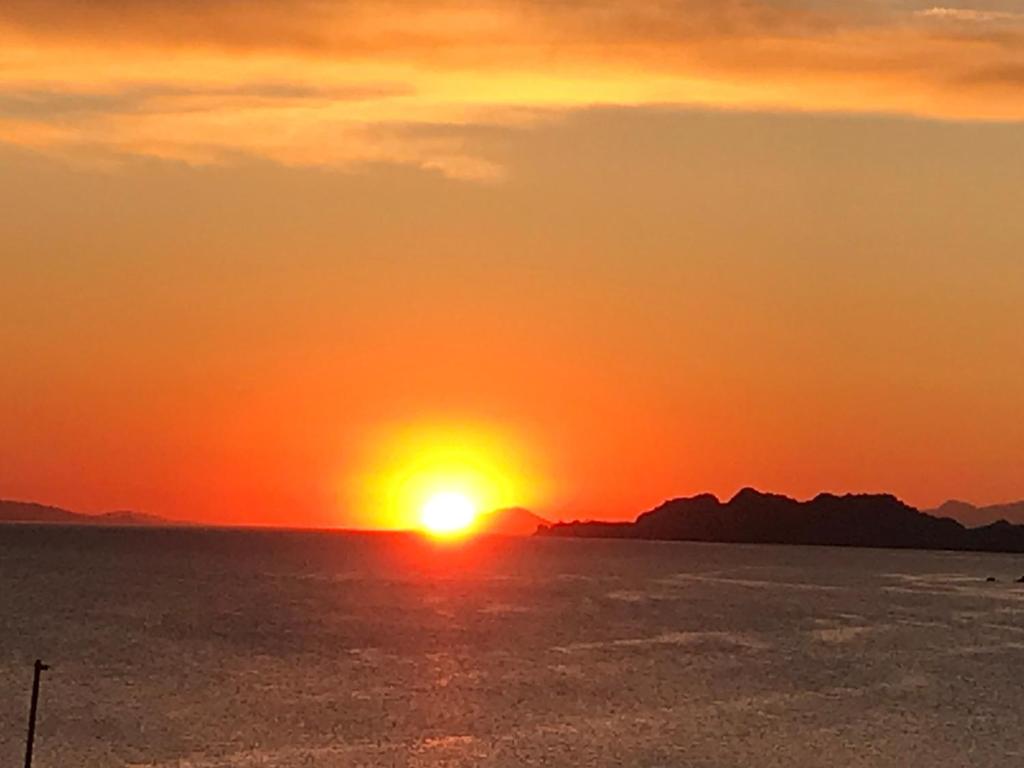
(39, 668)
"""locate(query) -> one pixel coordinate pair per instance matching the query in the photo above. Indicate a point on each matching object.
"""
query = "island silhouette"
(31, 512)
(749, 517)
(973, 516)
(753, 517)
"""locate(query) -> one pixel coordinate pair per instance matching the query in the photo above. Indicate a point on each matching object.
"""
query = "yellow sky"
(253, 252)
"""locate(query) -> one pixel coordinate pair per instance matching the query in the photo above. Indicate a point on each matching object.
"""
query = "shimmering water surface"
(207, 648)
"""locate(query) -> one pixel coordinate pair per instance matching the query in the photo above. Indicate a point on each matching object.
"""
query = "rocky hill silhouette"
(752, 517)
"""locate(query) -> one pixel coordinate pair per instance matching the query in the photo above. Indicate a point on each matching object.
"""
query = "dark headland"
(752, 517)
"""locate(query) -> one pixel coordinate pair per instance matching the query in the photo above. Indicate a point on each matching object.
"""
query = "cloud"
(345, 83)
(52, 104)
(971, 15)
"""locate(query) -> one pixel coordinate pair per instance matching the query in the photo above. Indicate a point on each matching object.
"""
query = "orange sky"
(260, 259)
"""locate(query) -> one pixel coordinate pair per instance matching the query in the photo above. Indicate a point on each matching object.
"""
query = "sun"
(448, 513)
(440, 479)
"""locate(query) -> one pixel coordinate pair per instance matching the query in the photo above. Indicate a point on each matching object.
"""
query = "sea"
(238, 648)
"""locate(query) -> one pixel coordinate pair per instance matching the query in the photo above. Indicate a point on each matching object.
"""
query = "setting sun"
(448, 514)
(437, 478)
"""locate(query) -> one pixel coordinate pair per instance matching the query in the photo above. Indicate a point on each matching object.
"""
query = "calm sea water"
(207, 648)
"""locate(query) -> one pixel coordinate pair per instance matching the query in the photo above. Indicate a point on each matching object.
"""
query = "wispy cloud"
(344, 83)
(970, 14)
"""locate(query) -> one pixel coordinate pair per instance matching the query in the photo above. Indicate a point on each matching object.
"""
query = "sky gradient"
(259, 259)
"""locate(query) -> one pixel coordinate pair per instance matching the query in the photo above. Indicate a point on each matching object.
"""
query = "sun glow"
(437, 479)
(448, 514)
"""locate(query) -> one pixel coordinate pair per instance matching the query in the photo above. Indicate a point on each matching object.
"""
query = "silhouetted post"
(39, 668)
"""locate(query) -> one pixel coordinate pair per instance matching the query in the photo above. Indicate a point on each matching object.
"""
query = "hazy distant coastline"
(32, 512)
(752, 517)
(973, 516)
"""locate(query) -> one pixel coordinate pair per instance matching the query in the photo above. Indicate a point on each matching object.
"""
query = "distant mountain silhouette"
(514, 521)
(848, 521)
(30, 512)
(970, 515)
